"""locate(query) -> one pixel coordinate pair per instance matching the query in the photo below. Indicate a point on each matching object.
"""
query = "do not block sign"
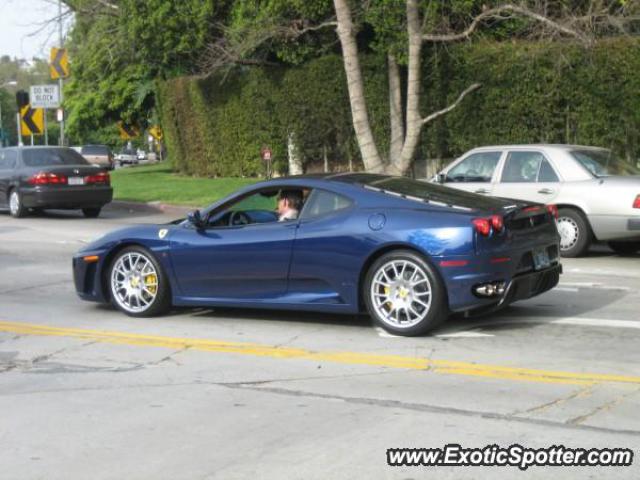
(44, 96)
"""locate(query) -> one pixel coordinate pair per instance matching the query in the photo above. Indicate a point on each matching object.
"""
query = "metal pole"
(60, 82)
(32, 139)
(46, 128)
(1, 126)
(18, 125)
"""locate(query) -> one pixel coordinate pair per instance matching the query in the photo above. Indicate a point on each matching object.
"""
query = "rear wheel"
(137, 283)
(91, 212)
(404, 294)
(16, 208)
(575, 234)
(625, 248)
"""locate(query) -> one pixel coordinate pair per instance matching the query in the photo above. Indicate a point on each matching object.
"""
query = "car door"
(475, 172)
(8, 160)
(528, 175)
(323, 270)
(234, 262)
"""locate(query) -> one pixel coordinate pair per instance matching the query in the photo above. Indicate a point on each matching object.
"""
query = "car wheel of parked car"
(625, 248)
(575, 234)
(16, 208)
(91, 212)
(137, 283)
(404, 294)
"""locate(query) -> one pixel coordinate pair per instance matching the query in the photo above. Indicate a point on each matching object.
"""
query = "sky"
(23, 29)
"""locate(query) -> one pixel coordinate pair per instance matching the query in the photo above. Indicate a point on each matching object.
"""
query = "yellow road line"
(447, 367)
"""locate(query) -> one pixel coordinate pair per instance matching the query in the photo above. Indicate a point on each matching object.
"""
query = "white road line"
(566, 289)
(465, 334)
(384, 334)
(597, 322)
(598, 286)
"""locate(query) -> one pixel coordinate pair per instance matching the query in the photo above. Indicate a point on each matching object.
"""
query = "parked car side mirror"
(195, 219)
(441, 178)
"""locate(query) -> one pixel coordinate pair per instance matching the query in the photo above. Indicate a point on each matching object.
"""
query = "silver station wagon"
(597, 195)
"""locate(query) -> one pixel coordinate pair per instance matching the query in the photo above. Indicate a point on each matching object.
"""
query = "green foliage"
(532, 92)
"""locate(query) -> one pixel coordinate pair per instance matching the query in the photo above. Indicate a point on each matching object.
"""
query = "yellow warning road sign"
(156, 132)
(127, 132)
(31, 120)
(59, 63)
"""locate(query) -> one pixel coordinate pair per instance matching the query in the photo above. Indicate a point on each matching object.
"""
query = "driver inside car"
(289, 204)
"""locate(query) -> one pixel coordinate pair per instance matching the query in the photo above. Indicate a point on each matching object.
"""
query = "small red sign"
(266, 154)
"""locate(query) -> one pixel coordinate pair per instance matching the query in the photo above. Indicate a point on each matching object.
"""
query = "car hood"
(152, 236)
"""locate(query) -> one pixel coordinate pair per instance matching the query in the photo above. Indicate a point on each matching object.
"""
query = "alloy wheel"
(401, 293)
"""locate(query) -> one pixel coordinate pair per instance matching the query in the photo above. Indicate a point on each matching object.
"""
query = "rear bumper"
(66, 197)
(531, 284)
(615, 227)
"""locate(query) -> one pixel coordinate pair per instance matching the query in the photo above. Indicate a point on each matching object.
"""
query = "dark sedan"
(51, 177)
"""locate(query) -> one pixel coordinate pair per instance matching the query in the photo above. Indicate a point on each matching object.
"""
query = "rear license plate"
(541, 259)
(76, 181)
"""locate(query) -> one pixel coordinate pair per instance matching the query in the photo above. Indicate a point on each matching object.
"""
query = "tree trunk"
(370, 155)
(295, 164)
(395, 110)
(413, 123)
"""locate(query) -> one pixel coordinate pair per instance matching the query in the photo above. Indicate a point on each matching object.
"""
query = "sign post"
(266, 156)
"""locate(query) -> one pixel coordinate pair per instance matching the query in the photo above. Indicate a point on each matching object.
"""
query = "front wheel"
(137, 283)
(404, 294)
(16, 208)
(625, 248)
(575, 234)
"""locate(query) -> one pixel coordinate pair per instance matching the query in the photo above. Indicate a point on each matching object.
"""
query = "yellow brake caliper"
(387, 291)
(151, 282)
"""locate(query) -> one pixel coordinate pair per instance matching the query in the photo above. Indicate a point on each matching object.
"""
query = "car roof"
(552, 146)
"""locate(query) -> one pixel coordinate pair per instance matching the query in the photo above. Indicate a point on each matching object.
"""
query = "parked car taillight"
(636, 203)
(46, 178)
(553, 210)
(101, 178)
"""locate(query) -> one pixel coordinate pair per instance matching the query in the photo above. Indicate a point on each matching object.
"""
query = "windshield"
(42, 157)
(435, 193)
(603, 163)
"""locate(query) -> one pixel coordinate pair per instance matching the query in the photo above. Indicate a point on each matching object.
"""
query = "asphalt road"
(86, 392)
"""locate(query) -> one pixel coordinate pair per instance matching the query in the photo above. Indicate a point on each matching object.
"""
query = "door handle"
(482, 190)
(546, 191)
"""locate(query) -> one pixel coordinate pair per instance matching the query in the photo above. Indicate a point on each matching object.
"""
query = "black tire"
(625, 248)
(91, 212)
(162, 302)
(575, 220)
(18, 211)
(435, 314)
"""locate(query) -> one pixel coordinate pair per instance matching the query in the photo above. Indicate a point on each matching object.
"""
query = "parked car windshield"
(603, 163)
(436, 193)
(95, 150)
(41, 157)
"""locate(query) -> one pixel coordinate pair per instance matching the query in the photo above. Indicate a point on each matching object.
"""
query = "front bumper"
(66, 197)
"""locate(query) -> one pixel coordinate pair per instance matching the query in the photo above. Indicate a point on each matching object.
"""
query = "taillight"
(482, 225)
(636, 203)
(553, 210)
(497, 222)
(46, 178)
(102, 178)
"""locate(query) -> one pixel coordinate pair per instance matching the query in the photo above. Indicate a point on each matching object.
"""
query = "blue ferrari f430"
(408, 252)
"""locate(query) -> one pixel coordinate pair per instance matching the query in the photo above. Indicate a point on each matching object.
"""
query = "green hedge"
(532, 92)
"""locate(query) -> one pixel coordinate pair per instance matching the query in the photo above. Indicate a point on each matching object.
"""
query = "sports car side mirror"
(195, 219)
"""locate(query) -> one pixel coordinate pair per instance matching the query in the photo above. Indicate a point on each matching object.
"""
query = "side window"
(547, 174)
(522, 167)
(323, 202)
(477, 167)
(8, 159)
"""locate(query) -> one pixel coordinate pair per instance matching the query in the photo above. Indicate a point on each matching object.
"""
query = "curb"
(152, 207)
